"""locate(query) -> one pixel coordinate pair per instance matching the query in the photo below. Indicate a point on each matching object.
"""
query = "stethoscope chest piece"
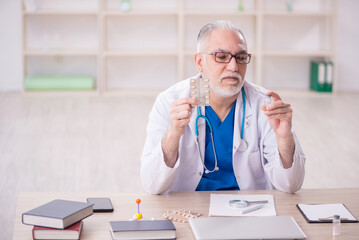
(243, 145)
(208, 171)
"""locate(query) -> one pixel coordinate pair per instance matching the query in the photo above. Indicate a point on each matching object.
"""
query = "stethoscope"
(242, 146)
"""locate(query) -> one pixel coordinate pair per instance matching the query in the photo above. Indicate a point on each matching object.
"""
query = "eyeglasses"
(226, 57)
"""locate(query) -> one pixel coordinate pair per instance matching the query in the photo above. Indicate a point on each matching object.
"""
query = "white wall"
(348, 45)
(10, 45)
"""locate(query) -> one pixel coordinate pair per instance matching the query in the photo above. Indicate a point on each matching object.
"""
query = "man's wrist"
(169, 145)
(286, 147)
(171, 136)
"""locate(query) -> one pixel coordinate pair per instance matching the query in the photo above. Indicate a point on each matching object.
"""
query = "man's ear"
(198, 59)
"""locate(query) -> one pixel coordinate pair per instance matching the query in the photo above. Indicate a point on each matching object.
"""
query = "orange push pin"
(138, 214)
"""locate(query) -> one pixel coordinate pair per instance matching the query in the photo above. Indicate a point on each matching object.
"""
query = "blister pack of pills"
(200, 90)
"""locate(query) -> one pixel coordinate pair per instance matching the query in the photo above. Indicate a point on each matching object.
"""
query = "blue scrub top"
(223, 179)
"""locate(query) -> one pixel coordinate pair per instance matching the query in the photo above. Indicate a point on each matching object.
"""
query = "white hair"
(206, 30)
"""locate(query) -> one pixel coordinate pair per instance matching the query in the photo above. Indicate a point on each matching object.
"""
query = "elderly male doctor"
(268, 156)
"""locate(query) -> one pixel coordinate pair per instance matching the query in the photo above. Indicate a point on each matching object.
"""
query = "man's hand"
(180, 113)
(279, 116)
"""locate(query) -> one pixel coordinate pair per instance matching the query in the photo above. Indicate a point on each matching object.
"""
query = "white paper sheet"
(316, 211)
(219, 205)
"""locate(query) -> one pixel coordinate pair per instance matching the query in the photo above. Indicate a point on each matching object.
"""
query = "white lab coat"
(259, 167)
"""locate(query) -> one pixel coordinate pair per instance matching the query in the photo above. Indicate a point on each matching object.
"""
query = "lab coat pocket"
(255, 164)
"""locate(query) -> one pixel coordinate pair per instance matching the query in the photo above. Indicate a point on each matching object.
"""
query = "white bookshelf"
(151, 46)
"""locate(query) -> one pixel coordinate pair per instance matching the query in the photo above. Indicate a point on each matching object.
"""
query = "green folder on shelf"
(59, 83)
(321, 76)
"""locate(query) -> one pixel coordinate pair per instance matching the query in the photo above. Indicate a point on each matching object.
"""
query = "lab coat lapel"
(248, 113)
(238, 119)
(201, 128)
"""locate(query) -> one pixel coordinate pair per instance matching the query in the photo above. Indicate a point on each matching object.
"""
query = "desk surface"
(97, 225)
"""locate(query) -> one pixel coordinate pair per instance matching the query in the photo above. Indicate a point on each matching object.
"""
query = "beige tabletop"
(97, 226)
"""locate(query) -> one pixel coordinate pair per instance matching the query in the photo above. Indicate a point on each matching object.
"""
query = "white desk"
(97, 226)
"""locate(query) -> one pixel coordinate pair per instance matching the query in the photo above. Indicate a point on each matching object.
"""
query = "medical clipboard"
(309, 219)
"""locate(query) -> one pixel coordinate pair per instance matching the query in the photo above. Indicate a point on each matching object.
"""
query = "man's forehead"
(218, 36)
(228, 50)
(219, 32)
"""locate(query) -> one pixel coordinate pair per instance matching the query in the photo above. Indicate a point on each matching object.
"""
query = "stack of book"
(58, 219)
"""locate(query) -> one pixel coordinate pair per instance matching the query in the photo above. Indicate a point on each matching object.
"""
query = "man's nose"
(232, 65)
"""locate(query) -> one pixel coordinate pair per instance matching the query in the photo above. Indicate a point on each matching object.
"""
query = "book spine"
(22, 219)
(33, 233)
(321, 75)
(329, 73)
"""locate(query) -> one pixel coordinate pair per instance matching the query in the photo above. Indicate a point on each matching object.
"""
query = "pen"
(256, 207)
(330, 219)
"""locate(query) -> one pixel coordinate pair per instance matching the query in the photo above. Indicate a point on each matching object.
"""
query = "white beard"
(227, 92)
